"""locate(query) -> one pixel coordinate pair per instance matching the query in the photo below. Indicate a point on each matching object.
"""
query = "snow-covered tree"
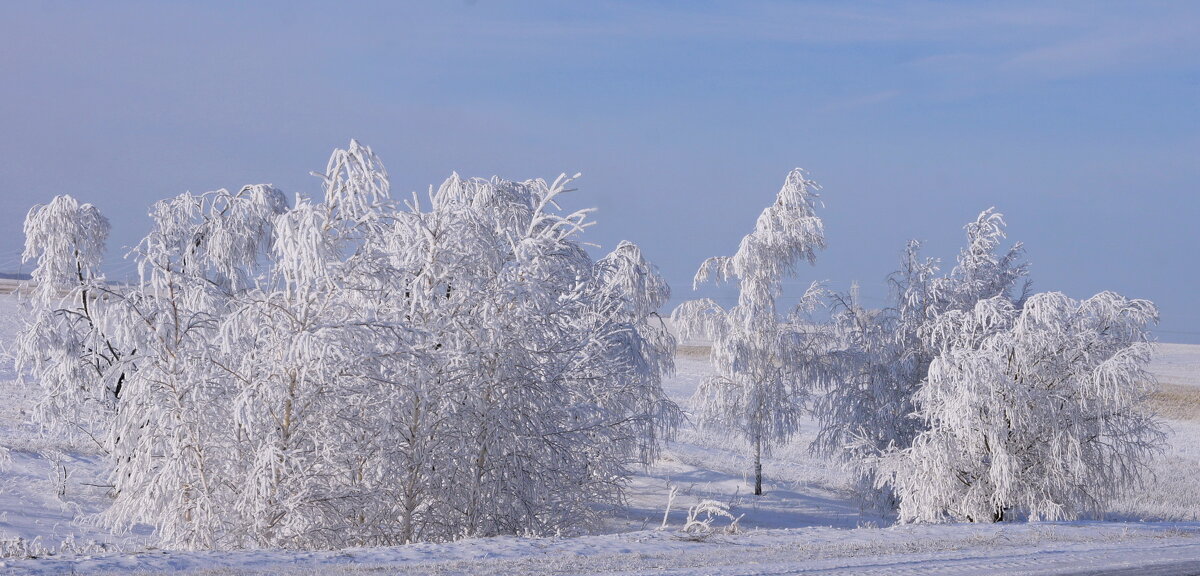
(66, 343)
(868, 408)
(357, 371)
(967, 399)
(550, 366)
(174, 446)
(884, 355)
(764, 365)
(1033, 411)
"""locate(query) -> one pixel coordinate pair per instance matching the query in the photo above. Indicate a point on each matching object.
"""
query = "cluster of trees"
(358, 370)
(354, 370)
(966, 398)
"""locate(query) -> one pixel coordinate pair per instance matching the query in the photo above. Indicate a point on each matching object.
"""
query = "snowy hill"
(807, 521)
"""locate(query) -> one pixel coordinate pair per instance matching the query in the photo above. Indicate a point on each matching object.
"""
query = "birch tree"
(969, 399)
(66, 343)
(884, 355)
(1034, 412)
(357, 370)
(764, 365)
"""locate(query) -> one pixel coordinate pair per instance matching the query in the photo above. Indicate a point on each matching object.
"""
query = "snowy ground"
(807, 523)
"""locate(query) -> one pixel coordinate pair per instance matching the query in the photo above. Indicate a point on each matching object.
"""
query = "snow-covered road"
(1054, 549)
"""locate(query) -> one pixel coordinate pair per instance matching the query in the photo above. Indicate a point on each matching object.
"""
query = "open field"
(8, 286)
(1176, 367)
(1177, 402)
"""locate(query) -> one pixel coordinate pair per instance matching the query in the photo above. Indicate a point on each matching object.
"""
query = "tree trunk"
(758, 465)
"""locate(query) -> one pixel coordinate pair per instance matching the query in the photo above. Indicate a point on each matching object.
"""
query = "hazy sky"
(1079, 121)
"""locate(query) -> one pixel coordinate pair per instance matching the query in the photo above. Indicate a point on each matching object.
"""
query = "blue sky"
(1079, 121)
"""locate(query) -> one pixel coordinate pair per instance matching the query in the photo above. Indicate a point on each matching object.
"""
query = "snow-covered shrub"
(179, 450)
(358, 370)
(18, 548)
(702, 515)
(968, 399)
(1034, 411)
(764, 365)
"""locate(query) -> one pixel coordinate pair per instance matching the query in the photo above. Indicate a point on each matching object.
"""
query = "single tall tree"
(764, 365)
(67, 344)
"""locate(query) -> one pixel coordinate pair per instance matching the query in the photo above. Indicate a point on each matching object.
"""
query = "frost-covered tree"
(967, 399)
(355, 370)
(883, 356)
(868, 409)
(764, 365)
(549, 363)
(1034, 411)
(66, 343)
(174, 446)
(880, 362)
